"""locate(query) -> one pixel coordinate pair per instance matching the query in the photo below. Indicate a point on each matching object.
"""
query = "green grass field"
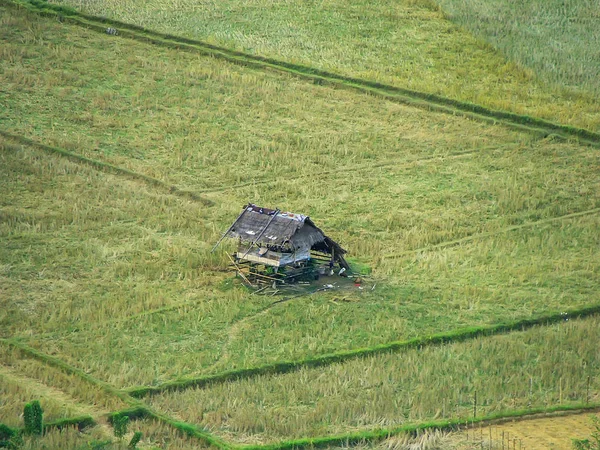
(562, 38)
(409, 43)
(107, 281)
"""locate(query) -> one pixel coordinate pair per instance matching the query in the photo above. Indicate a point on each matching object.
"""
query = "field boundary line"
(67, 368)
(282, 367)
(143, 411)
(410, 97)
(389, 162)
(136, 405)
(442, 425)
(473, 237)
(104, 166)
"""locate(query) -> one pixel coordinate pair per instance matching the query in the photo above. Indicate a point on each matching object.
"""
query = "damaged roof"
(273, 227)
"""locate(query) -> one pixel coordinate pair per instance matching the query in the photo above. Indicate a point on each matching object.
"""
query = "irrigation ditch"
(432, 102)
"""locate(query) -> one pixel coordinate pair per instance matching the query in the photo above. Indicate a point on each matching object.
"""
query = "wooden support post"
(587, 392)
(239, 270)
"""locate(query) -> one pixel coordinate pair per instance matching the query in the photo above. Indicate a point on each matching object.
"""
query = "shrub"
(119, 423)
(592, 443)
(137, 437)
(33, 417)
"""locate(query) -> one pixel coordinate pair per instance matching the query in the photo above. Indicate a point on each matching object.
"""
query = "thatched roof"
(270, 227)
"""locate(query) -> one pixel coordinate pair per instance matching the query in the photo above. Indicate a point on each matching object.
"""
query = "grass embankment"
(563, 39)
(536, 368)
(409, 44)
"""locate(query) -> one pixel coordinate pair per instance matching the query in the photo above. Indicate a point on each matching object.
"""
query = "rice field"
(176, 301)
(14, 395)
(154, 436)
(199, 123)
(460, 224)
(410, 43)
(539, 367)
(562, 37)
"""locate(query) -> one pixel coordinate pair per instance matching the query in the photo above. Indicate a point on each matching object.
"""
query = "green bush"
(33, 417)
(137, 437)
(119, 423)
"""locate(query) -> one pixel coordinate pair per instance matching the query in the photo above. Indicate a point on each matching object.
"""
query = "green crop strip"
(324, 360)
(105, 167)
(79, 422)
(430, 102)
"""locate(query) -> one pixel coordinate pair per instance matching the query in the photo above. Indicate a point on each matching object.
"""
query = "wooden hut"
(280, 246)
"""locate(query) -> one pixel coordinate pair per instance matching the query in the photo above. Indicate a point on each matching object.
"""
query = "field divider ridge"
(283, 367)
(104, 166)
(138, 409)
(410, 97)
(413, 429)
(484, 235)
(145, 412)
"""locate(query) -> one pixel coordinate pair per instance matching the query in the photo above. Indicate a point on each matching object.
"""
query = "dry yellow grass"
(116, 278)
(550, 433)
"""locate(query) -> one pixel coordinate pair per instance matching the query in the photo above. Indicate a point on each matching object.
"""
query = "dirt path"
(547, 433)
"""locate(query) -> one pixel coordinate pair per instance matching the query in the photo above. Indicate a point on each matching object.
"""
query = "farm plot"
(85, 394)
(539, 367)
(408, 44)
(522, 275)
(160, 260)
(16, 391)
(201, 123)
(154, 435)
(81, 247)
(519, 275)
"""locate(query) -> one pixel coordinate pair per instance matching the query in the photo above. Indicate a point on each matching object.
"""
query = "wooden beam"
(277, 211)
(230, 228)
(239, 271)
